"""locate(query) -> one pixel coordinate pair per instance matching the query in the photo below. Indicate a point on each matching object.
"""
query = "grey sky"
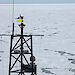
(36, 1)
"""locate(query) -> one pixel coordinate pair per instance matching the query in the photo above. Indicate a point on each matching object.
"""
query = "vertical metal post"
(13, 29)
(13, 19)
(32, 54)
(10, 54)
(21, 47)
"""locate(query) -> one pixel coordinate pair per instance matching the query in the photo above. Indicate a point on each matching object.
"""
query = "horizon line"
(43, 3)
(33, 3)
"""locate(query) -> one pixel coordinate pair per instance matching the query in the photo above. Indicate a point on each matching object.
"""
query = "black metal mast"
(20, 52)
(21, 46)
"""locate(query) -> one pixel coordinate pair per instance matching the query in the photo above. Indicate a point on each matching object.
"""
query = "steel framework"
(19, 53)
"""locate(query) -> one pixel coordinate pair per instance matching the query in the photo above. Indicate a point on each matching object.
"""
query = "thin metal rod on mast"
(13, 11)
(13, 19)
(32, 54)
(21, 48)
(10, 54)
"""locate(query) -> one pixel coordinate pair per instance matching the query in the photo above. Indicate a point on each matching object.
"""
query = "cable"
(13, 12)
(13, 19)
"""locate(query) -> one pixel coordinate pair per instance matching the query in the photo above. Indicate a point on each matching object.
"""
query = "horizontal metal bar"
(27, 35)
(19, 35)
(20, 53)
(37, 35)
(16, 71)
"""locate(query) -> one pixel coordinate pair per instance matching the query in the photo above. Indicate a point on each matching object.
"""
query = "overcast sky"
(36, 1)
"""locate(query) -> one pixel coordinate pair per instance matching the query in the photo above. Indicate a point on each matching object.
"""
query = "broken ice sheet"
(47, 70)
(63, 53)
(72, 61)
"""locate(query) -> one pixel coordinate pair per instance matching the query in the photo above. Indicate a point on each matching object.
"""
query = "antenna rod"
(13, 20)
(13, 29)
(13, 11)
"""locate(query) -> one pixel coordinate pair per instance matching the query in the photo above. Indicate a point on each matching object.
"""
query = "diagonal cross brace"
(27, 44)
(15, 62)
(23, 43)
